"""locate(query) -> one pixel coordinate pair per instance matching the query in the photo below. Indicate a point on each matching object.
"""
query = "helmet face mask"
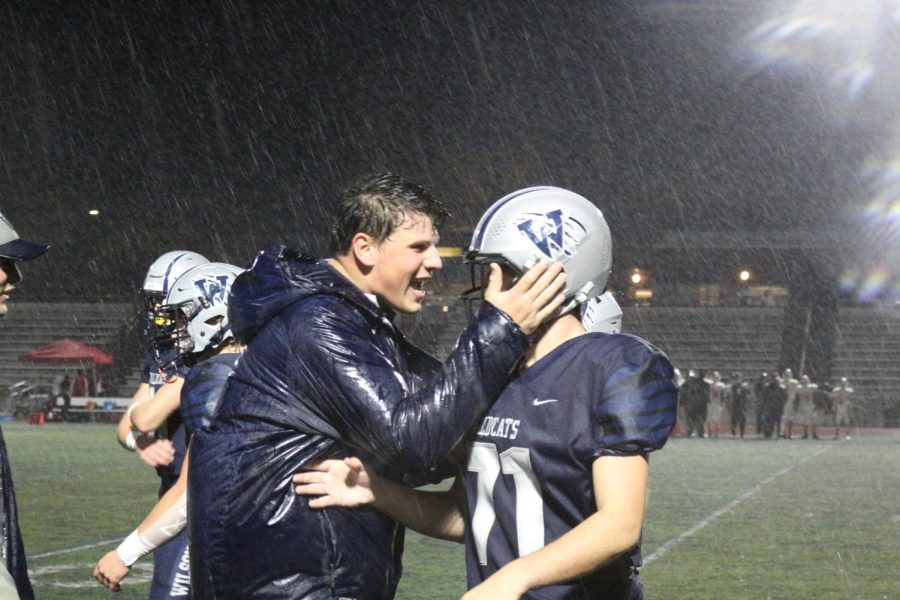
(480, 269)
(170, 323)
(547, 223)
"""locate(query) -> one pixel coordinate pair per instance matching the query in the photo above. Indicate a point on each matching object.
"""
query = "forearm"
(435, 514)
(125, 428)
(150, 414)
(124, 431)
(594, 543)
(620, 487)
(166, 520)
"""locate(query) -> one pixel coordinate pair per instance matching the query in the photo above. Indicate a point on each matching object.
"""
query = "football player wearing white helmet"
(152, 425)
(157, 452)
(552, 493)
(194, 315)
(807, 415)
(789, 415)
(841, 396)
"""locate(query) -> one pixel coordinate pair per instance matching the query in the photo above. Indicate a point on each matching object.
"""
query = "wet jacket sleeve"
(638, 408)
(13, 551)
(361, 377)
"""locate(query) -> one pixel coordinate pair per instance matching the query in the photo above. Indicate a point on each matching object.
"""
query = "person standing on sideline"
(14, 582)
(326, 373)
(789, 415)
(740, 402)
(759, 397)
(719, 399)
(695, 398)
(841, 399)
(806, 407)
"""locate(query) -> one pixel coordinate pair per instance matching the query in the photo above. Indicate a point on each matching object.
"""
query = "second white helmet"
(602, 314)
(551, 223)
(195, 310)
(169, 267)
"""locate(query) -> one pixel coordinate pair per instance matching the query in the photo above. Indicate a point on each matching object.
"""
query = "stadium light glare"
(93, 212)
(744, 275)
(636, 278)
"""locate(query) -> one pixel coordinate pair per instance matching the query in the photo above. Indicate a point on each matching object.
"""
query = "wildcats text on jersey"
(499, 427)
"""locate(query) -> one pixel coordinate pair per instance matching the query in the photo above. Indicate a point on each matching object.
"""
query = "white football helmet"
(169, 267)
(550, 223)
(195, 311)
(602, 314)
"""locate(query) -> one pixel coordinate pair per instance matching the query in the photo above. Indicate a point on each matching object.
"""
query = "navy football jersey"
(203, 388)
(529, 475)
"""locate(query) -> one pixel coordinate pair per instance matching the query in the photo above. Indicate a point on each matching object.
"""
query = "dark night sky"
(221, 126)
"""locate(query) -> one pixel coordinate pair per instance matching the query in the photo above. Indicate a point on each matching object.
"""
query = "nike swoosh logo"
(539, 402)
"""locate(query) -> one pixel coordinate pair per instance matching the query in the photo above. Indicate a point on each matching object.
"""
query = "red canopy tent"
(67, 351)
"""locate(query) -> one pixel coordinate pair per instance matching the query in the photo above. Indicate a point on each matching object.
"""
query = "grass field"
(726, 519)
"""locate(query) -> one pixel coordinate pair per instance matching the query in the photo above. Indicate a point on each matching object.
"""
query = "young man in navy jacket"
(326, 374)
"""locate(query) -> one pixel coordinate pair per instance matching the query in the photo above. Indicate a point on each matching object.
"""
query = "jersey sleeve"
(145, 372)
(202, 390)
(638, 407)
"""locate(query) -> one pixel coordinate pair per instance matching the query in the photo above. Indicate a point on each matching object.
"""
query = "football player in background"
(193, 315)
(550, 499)
(152, 427)
(841, 395)
(155, 451)
(807, 415)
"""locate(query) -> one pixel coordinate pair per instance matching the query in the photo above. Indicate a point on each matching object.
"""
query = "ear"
(364, 249)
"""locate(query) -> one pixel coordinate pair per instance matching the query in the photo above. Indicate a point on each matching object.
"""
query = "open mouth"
(418, 288)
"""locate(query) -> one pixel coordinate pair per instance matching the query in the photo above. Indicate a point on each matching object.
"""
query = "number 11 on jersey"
(487, 464)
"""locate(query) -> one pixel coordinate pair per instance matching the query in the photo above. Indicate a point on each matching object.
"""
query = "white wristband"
(132, 548)
(131, 440)
(131, 409)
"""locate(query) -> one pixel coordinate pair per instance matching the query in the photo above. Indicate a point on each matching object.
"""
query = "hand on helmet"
(533, 298)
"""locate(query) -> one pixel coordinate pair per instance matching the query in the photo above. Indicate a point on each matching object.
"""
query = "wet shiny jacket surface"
(12, 551)
(325, 373)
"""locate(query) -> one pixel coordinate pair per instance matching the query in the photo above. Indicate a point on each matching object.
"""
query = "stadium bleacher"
(733, 339)
(724, 339)
(36, 324)
(867, 352)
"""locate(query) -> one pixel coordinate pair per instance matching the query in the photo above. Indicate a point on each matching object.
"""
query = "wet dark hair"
(376, 206)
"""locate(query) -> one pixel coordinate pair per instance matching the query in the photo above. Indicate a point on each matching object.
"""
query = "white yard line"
(140, 573)
(74, 549)
(668, 546)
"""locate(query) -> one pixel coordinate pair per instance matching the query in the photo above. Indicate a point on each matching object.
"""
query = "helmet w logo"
(548, 232)
(212, 289)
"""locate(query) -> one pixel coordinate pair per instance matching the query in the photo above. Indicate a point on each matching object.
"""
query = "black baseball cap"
(14, 247)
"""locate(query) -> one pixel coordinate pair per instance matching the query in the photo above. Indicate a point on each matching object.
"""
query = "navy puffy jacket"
(325, 374)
